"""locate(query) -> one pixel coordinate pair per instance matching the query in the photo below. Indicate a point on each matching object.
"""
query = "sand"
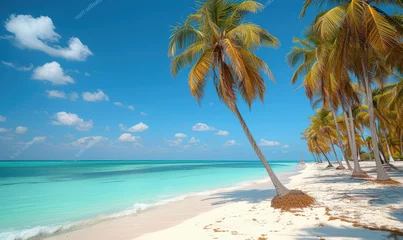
(344, 209)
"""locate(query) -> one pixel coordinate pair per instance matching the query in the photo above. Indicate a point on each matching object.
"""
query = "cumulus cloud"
(38, 34)
(127, 137)
(87, 74)
(71, 119)
(143, 114)
(95, 96)
(53, 73)
(266, 143)
(141, 127)
(202, 127)
(2, 118)
(37, 139)
(180, 135)
(18, 68)
(119, 104)
(222, 133)
(74, 96)
(21, 130)
(122, 127)
(88, 140)
(56, 94)
(230, 143)
(4, 130)
(175, 143)
(131, 108)
(194, 140)
(61, 94)
(286, 146)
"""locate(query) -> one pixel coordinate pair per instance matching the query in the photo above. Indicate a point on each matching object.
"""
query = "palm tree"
(365, 36)
(218, 44)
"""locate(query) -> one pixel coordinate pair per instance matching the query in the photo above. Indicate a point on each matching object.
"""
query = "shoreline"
(169, 214)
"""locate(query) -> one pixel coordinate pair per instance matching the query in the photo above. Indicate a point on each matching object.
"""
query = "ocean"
(42, 197)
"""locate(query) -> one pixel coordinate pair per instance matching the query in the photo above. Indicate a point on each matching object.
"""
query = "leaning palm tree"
(217, 44)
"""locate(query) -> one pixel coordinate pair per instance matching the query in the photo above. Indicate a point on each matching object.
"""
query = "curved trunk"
(320, 158)
(339, 138)
(367, 145)
(280, 188)
(330, 164)
(389, 152)
(334, 151)
(314, 158)
(351, 140)
(380, 170)
(401, 143)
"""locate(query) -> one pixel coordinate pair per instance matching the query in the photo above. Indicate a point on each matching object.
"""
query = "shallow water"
(41, 196)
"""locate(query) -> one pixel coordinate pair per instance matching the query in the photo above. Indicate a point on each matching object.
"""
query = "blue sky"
(62, 86)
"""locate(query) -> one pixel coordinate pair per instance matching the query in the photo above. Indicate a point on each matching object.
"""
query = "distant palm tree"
(367, 44)
(217, 43)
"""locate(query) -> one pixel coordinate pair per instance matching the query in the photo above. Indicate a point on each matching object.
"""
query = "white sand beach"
(345, 209)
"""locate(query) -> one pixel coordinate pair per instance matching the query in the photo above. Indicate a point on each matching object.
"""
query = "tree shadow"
(250, 196)
(344, 232)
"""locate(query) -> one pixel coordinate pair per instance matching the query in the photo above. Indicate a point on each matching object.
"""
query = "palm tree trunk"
(401, 143)
(387, 146)
(351, 133)
(314, 158)
(280, 188)
(334, 151)
(367, 145)
(339, 138)
(320, 159)
(380, 170)
(330, 164)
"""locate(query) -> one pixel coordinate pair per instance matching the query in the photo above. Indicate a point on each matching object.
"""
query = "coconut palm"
(217, 44)
(365, 36)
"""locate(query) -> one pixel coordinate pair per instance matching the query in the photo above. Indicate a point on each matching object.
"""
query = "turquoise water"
(43, 196)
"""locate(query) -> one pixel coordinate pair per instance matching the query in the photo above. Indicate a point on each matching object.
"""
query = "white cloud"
(230, 143)
(141, 127)
(4, 130)
(194, 140)
(95, 96)
(73, 71)
(180, 135)
(56, 94)
(122, 127)
(38, 34)
(119, 104)
(36, 140)
(53, 73)
(286, 146)
(175, 143)
(71, 119)
(87, 74)
(127, 137)
(18, 68)
(131, 108)
(107, 128)
(202, 127)
(88, 141)
(266, 143)
(143, 114)
(222, 133)
(21, 130)
(2, 118)
(74, 96)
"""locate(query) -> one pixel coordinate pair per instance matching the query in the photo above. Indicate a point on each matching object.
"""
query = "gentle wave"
(41, 232)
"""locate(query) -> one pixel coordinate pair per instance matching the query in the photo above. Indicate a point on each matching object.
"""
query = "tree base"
(293, 199)
(387, 182)
(360, 175)
(340, 168)
(329, 166)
